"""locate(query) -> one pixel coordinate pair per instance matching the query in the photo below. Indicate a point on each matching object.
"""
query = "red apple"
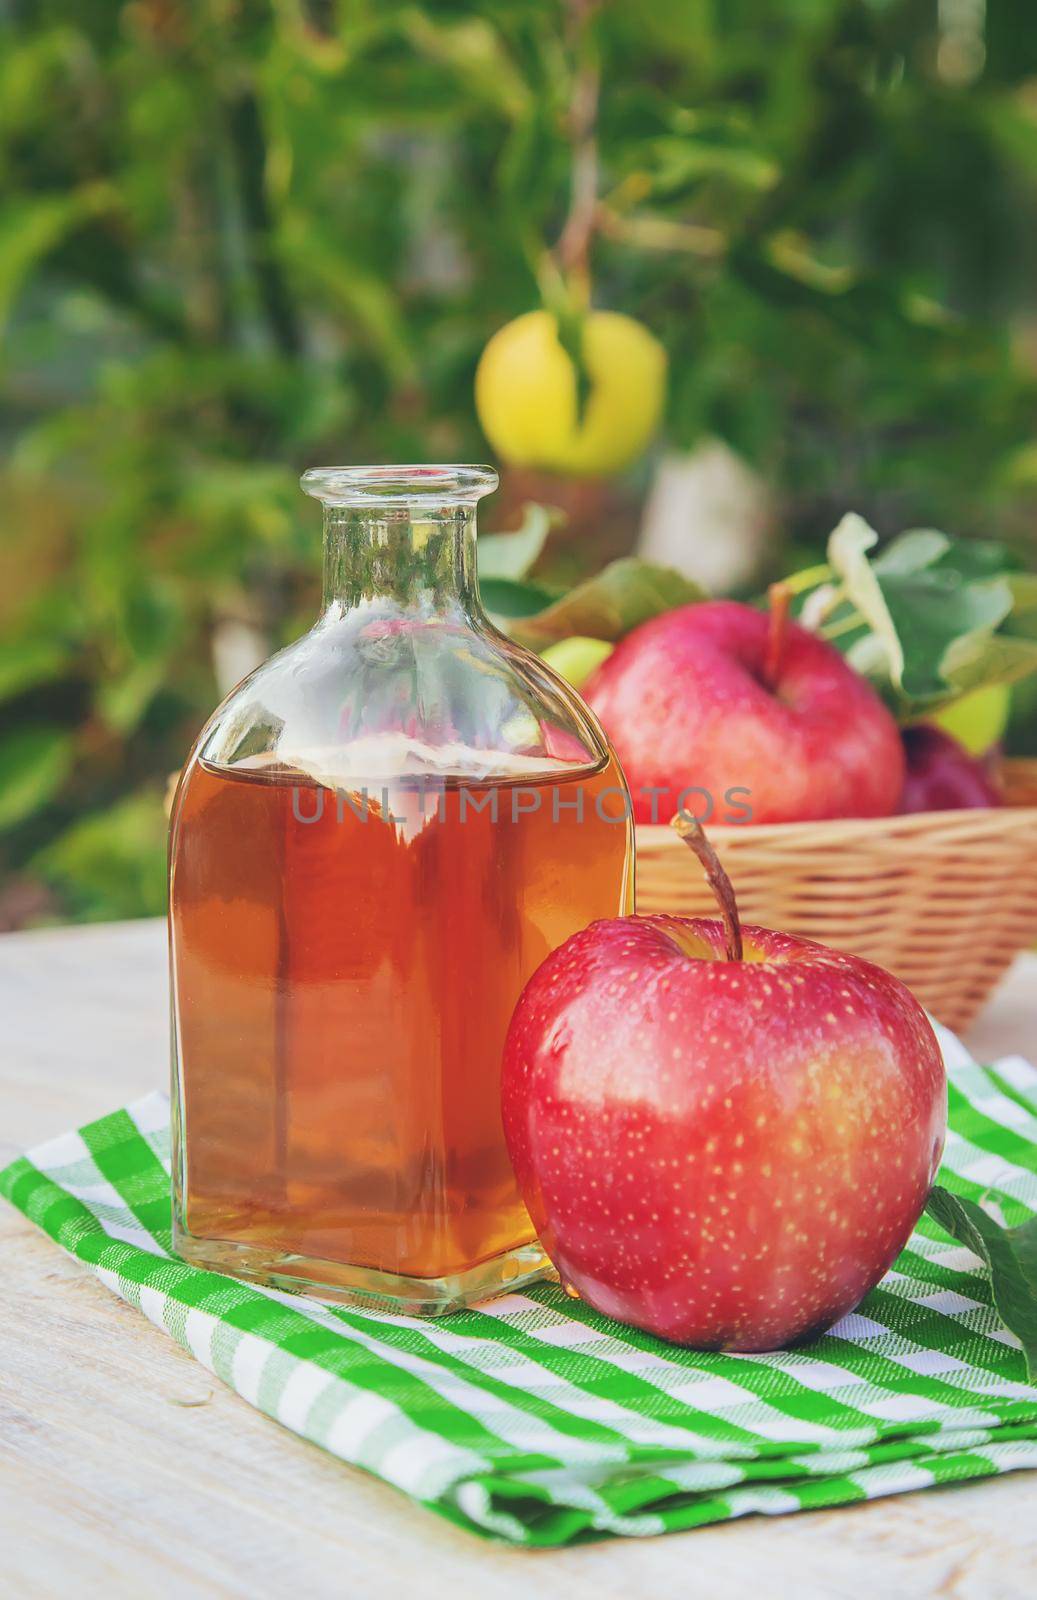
(754, 711)
(724, 1144)
(941, 775)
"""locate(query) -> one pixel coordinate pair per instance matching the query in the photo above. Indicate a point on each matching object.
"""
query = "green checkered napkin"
(537, 1420)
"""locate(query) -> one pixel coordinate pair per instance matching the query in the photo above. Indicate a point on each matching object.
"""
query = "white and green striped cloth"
(533, 1418)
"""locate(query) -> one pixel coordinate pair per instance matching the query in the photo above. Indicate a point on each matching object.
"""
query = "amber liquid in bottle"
(347, 964)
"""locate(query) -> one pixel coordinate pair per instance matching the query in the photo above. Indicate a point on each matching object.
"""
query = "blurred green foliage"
(241, 236)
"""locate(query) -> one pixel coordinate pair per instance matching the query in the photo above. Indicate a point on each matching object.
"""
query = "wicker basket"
(945, 899)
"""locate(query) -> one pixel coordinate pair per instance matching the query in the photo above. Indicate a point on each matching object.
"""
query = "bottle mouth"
(399, 486)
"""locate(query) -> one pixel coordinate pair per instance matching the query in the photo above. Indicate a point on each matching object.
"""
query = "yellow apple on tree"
(527, 393)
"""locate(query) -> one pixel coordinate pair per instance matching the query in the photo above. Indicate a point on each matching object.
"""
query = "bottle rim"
(428, 485)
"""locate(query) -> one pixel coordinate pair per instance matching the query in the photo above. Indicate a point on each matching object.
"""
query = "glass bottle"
(377, 838)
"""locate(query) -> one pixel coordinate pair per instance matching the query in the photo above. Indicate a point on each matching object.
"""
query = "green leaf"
(511, 597)
(122, 701)
(977, 559)
(624, 594)
(930, 608)
(475, 52)
(911, 551)
(34, 763)
(1024, 592)
(112, 863)
(1010, 1255)
(510, 555)
(978, 663)
(705, 146)
(848, 556)
(676, 165)
(307, 247)
(793, 255)
(940, 619)
(24, 663)
(31, 228)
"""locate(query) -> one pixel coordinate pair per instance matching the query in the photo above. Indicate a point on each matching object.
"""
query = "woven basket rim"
(889, 888)
(989, 820)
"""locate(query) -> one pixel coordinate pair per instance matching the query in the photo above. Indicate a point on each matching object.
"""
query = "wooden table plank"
(125, 1469)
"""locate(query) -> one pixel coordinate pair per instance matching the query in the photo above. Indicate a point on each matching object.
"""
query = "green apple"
(978, 719)
(577, 657)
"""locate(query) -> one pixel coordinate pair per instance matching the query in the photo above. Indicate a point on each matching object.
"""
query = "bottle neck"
(420, 559)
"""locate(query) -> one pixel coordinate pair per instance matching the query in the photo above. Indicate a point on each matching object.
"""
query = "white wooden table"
(126, 1470)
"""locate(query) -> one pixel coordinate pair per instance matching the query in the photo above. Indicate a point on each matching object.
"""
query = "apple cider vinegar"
(379, 838)
(350, 976)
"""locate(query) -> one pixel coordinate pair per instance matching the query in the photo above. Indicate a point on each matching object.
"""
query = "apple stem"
(691, 831)
(779, 596)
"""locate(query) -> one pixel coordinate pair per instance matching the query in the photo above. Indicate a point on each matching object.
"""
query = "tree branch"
(249, 146)
(573, 247)
(660, 233)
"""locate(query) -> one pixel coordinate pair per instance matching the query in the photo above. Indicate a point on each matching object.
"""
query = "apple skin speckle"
(727, 1164)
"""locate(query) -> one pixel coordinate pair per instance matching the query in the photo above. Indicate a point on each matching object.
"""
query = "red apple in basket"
(941, 775)
(724, 1136)
(720, 697)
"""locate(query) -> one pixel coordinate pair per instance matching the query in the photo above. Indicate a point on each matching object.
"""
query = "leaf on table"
(623, 595)
(1010, 1255)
